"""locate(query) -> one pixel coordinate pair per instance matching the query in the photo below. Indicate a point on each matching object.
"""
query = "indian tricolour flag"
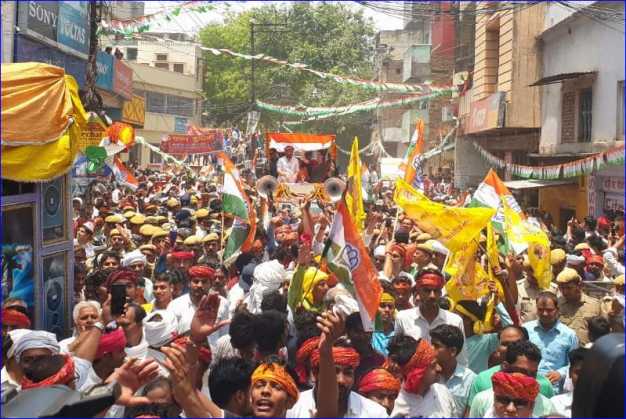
(347, 257)
(489, 193)
(122, 174)
(236, 202)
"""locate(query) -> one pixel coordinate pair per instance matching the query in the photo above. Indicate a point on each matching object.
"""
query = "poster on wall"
(53, 217)
(17, 254)
(54, 299)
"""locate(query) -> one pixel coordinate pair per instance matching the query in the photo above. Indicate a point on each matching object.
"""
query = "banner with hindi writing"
(208, 142)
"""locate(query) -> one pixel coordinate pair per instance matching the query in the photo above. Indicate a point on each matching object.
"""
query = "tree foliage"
(327, 37)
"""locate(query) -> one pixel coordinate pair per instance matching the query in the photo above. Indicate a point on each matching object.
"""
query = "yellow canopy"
(42, 117)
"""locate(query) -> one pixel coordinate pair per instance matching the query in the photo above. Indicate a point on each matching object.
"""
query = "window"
(584, 115)
(620, 110)
(155, 102)
(179, 105)
(155, 157)
(492, 54)
(179, 67)
(164, 66)
(161, 57)
(131, 54)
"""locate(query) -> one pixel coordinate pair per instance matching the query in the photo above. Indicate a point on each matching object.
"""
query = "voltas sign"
(60, 24)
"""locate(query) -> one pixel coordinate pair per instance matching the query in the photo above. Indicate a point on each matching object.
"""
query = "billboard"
(134, 110)
(60, 24)
(122, 79)
(193, 144)
(486, 114)
(104, 66)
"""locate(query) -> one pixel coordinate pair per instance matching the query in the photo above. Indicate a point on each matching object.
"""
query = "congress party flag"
(413, 166)
(122, 174)
(348, 258)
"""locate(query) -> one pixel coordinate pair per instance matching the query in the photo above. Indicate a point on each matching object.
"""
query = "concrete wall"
(400, 40)
(581, 45)
(469, 167)
(166, 81)
(8, 30)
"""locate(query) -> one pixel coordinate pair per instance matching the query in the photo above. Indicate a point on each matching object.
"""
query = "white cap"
(379, 251)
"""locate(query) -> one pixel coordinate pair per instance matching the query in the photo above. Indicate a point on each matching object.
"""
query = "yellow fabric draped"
(42, 116)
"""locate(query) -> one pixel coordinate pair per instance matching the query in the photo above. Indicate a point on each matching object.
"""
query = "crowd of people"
(273, 334)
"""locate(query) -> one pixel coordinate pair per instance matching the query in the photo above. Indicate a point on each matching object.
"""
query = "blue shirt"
(380, 341)
(479, 348)
(555, 344)
(459, 386)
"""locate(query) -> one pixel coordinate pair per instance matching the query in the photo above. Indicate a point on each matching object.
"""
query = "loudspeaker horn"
(334, 188)
(267, 185)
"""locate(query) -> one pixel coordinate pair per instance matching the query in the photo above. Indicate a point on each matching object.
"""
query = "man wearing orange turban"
(421, 394)
(272, 391)
(381, 386)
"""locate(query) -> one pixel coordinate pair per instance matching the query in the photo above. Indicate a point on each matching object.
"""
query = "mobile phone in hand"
(118, 299)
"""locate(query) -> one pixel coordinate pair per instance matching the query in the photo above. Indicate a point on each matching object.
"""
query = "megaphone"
(334, 188)
(267, 185)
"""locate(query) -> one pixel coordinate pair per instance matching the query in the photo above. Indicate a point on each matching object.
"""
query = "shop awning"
(557, 78)
(534, 183)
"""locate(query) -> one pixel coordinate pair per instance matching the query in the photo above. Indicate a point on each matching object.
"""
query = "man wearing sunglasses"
(522, 357)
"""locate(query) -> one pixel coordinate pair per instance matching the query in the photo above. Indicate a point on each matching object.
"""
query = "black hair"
(549, 295)
(401, 237)
(598, 326)
(578, 235)
(163, 277)
(105, 255)
(577, 355)
(281, 253)
(158, 410)
(596, 243)
(401, 348)
(242, 330)
(448, 335)
(140, 313)
(520, 329)
(44, 367)
(274, 301)
(590, 223)
(177, 276)
(269, 329)
(160, 382)
(228, 376)
(354, 322)
(522, 348)
(306, 326)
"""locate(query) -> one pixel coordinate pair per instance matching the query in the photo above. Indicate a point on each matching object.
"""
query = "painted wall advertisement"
(486, 114)
(134, 111)
(60, 24)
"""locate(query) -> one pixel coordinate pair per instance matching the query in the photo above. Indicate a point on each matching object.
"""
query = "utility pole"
(92, 100)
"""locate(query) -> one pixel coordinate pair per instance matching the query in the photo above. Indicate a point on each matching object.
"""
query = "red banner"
(194, 144)
(122, 79)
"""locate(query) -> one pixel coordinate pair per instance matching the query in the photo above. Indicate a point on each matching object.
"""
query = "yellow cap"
(194, 199)
(427, 246)
(582, 246)
(151, 219)
(192, 240)
(138, 219)
(159, 232)
(115, 219)
(129, 214)
(619, 280)
(147, 230)
(166, 226)
(557, 256)
(160, 219)
(172, 202)
(424, 237)
(202, 213)
(210, 237)
(150, 247)
(114, 232)
(567, 275)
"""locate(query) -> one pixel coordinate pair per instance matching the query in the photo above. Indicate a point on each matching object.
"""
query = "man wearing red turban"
(381, 386)
(124, 276)
(514, 395)
(421, 394)
(50, 370)
(182, 259)
(13, 319)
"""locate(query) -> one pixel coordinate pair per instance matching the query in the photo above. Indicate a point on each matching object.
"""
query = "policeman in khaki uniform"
(576, 307)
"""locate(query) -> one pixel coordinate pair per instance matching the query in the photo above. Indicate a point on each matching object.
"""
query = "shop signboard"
(104, 67)
(134, 110)
(193, 144)
(122, 79)
(60, 24)
(486, 114)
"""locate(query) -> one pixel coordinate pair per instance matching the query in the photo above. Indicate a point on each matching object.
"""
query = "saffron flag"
(489, 194)
(455, 227)
(413, 166)
(236, 202)
(122, 174)
(525, 235)
(354, 194)
(348, 258)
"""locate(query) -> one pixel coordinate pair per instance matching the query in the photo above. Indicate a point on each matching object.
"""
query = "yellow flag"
(492, 251)
(354, 195)
(455, 227)
(523, 234)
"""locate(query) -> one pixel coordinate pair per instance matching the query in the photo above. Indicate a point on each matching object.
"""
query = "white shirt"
(288, 166)
(410, 322)
(138, 351)
(184, 309)
(563, 404)
(358, 407)
(436, 403)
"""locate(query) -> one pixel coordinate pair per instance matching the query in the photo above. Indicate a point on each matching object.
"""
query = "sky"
(191, 22)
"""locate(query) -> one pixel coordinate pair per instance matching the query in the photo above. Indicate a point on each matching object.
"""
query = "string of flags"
(168, 158)
(571, 169)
